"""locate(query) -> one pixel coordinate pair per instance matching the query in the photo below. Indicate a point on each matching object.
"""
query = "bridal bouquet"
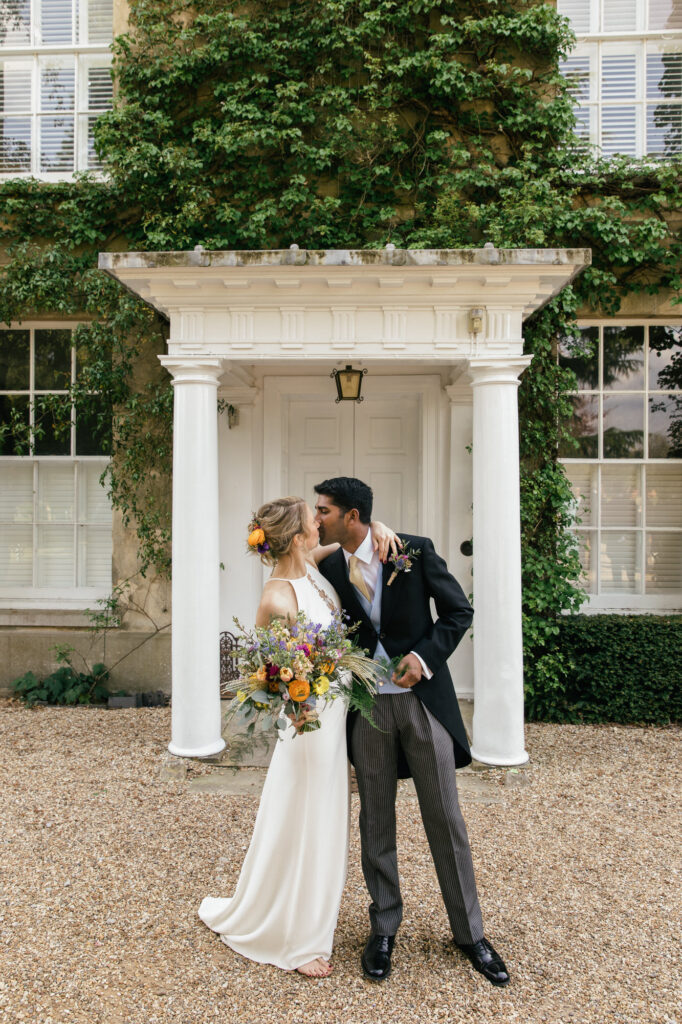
(294, 666)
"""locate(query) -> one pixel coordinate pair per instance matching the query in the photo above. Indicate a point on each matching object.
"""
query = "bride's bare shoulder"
(277, 602)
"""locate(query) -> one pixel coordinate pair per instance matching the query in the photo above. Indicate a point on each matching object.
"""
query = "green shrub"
(65, 686)
(623, 668)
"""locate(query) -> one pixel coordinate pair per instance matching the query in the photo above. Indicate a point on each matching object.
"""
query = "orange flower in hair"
(299, 690)
(256, 537)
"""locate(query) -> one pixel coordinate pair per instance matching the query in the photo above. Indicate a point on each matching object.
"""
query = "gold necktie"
(357, 579)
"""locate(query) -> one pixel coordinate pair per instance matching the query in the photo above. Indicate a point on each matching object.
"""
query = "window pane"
(100, 21)
(619, 76)
(54, 556)
(580, 353)
(663, 75)
(619, 131)
(621, 496)
(52, 425)
(94, 556)
(15, 22)
(56, 143)
(665, 427)
(578, 12)
(576, 70)
(93, 501)
(583, 480)
(53, 360)
(583, 427)
(623, 358)
(55, 493)
(624, 427)
(57, 88)
(16, 493)
(664, 129)
(15, 87)
(15, 145)
(56, 20)
(665, 14)
(93, 429)
(665, 358)
(663, 563)
(14, 428)
(16, 556)
(587, 548)
(664, 495)
(15, 355)
(620, 563)
(620, 15)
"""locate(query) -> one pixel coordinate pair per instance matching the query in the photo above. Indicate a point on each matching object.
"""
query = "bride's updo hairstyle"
(280, 521)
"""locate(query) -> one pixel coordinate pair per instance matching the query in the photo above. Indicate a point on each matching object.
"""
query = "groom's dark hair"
(348, 493)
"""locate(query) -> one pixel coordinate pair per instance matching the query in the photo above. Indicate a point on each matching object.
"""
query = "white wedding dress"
(286, 904)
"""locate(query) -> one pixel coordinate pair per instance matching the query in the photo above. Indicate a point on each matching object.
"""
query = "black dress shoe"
(489, 963)
(376, 959)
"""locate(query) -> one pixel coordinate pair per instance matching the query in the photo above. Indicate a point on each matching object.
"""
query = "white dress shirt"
(371, 569)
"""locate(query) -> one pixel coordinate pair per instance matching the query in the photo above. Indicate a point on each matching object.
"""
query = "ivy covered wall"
(339, 123)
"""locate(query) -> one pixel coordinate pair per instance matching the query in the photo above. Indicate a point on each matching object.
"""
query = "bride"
(286, 904)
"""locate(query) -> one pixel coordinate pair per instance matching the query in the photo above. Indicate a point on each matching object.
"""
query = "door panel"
(387, 445)
(320, 444)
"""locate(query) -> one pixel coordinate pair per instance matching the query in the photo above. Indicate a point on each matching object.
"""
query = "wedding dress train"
(286, 903)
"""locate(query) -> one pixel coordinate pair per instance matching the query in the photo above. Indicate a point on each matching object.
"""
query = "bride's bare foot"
(317, 968)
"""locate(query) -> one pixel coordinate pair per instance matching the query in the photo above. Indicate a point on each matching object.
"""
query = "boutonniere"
(403, 562)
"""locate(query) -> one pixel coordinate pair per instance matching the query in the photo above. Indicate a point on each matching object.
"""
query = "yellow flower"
(327, 667)
(256, 537)
(241, 696)
(322, 685)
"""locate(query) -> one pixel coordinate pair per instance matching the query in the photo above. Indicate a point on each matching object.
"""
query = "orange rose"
(256, 537)
(286, 674)
(299, 690)
(327, 667)
(261, 674)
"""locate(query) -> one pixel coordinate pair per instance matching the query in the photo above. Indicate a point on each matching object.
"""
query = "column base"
(500, 762)
(205, 751)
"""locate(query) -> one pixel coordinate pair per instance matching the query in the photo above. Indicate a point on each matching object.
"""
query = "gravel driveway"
(103, 866)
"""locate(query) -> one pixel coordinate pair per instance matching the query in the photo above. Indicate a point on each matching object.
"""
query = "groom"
(420, 730)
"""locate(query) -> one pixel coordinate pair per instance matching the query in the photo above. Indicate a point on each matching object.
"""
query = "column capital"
(193, 369)
(505, 370)
(459, 393)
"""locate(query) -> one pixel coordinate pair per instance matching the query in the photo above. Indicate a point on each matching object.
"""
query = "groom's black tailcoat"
(407, 625)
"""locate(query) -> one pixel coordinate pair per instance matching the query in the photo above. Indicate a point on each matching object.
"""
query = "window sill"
(634, 604)
(63, 612)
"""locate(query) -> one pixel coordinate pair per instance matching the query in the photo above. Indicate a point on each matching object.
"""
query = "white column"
(498, 733)
(196, 559)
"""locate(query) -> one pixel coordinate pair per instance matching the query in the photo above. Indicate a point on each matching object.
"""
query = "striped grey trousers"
(427, 746)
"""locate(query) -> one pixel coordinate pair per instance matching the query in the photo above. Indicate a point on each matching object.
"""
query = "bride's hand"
(384, 540)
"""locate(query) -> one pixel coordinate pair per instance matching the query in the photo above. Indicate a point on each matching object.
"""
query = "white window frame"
(44, 598)
(84, 55)
(641, 602)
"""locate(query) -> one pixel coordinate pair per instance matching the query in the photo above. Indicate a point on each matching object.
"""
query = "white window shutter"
(95, 556)
(664, 495)
(55, 493)
(620, 562)
(16, 556)
(621, 496)
(100, 21)
(56, 22)
(663, 563)
(619, 16)
(665, 15)
(54, 556)
(94, 505)
(15, 22)
(578, 13)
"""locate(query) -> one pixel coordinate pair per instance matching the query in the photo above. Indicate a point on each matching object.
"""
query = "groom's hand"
(408, 672)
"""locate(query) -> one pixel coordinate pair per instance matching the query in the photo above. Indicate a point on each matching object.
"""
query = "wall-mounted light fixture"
(348, 384)
(476, 320)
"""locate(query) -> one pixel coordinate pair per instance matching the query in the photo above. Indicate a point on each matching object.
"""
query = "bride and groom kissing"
(286, 903)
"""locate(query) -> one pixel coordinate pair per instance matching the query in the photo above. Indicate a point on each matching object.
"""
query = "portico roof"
(381, 303)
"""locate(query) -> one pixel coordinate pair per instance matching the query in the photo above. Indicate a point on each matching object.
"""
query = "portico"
(436, 437)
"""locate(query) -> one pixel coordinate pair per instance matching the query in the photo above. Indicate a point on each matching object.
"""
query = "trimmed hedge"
(625, 668)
